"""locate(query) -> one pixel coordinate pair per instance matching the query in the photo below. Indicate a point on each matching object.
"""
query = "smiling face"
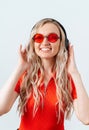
(47, 49)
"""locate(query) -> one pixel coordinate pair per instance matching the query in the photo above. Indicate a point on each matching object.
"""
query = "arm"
(81, 104)
(7, 93)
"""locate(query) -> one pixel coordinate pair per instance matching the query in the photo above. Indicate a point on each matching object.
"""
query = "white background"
(16, 20)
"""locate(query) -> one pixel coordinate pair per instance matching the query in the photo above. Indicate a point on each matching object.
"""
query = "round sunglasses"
(52, 37)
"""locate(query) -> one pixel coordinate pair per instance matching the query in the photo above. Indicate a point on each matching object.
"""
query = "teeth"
(45, 49)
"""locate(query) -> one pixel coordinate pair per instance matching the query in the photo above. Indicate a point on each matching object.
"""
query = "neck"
(48, 65)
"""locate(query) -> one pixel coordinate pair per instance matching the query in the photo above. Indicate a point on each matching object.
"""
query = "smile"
(45, 49)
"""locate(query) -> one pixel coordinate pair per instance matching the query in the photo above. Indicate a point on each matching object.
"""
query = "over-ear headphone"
(66, 39)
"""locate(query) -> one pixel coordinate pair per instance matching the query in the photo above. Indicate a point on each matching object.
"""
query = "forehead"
(48, 28)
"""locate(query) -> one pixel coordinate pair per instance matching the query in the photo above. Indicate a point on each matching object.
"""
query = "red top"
(45, 117)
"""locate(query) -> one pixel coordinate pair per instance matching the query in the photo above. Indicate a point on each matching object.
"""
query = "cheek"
(36, 47)
(57, 47)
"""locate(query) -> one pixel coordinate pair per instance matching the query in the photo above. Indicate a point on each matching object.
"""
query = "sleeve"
(73, 93)
(18, 84)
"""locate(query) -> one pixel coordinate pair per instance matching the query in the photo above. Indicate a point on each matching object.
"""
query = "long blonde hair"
(32, 80)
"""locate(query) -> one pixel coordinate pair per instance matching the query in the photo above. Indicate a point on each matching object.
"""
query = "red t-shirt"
(45, 117)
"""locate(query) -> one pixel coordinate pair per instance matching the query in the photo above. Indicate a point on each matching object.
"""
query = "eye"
(53, 37)
(38, 38)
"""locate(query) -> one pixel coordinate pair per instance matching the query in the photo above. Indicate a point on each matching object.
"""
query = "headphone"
(66, 39)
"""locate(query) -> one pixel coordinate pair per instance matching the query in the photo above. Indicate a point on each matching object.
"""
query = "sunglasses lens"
(52, 37)
(38, 38)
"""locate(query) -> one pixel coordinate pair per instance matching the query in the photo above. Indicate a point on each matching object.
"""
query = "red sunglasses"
(52, 37)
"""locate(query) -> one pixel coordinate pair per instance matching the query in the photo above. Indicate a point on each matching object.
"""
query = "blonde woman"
(46, 80)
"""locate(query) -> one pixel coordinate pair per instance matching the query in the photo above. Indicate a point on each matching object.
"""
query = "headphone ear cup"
(67, 43)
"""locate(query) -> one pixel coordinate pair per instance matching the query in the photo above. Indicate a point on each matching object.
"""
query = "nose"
(45, 41)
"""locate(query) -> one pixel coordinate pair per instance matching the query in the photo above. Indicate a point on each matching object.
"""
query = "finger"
(70, 48)
(20, 47)
(22, 50)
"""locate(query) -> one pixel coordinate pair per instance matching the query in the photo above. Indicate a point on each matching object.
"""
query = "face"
(47, 49)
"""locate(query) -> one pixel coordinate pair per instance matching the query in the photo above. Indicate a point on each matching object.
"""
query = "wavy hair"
(32, 80)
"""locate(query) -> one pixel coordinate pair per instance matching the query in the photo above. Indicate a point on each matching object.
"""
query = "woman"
(46, 80)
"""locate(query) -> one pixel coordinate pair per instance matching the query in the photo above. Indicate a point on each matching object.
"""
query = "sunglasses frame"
(48, 37)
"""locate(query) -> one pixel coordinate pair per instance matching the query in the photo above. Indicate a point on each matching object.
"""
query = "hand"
(71, 65)
(24, 64)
